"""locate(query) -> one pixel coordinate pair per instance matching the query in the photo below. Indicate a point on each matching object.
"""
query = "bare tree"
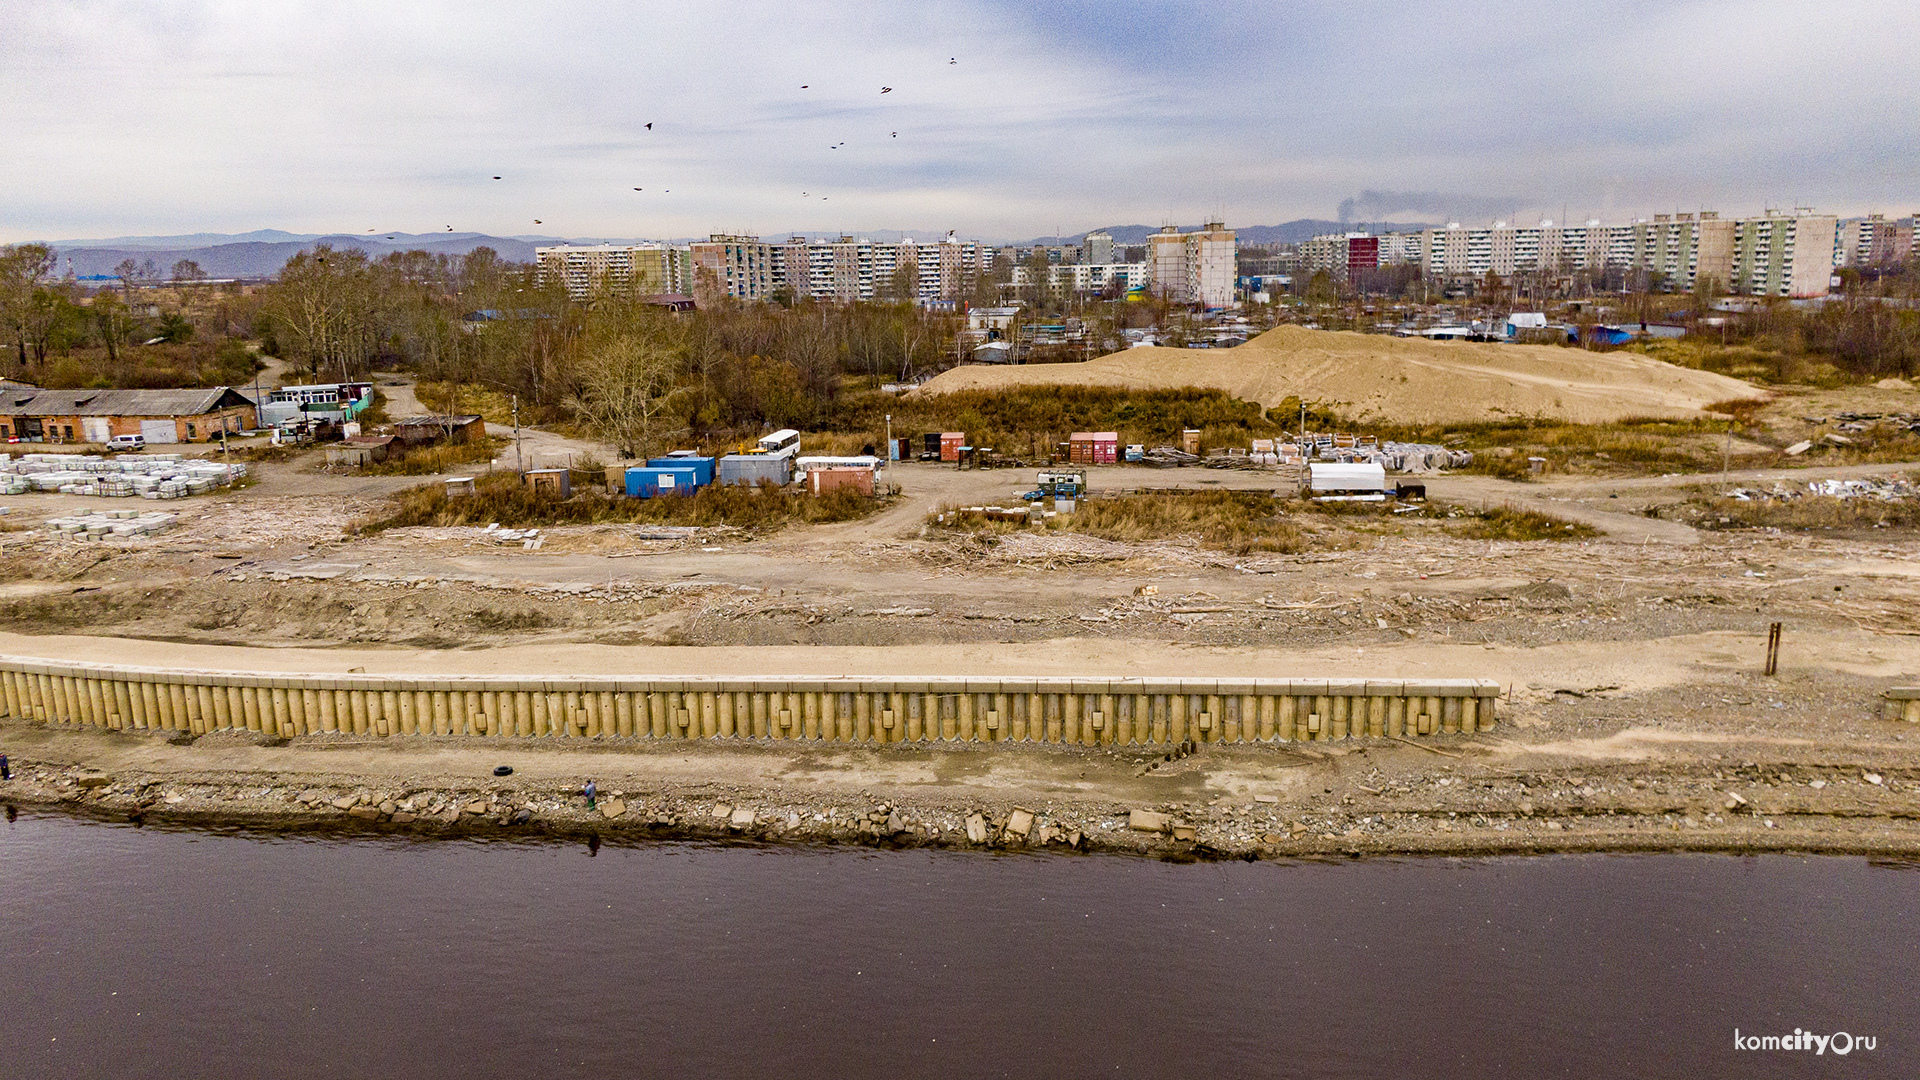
(23, 269)
(188, 272)
(629, 391)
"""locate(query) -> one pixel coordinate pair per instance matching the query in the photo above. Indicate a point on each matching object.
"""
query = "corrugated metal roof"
(192, 402)
(435, 421)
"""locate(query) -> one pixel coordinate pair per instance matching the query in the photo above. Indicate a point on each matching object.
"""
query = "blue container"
(702, 466)
(644, 482)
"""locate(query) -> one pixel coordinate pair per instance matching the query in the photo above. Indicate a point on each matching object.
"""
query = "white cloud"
(128, 117)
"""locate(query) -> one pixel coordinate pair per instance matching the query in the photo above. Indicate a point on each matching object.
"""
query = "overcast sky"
(1013, 118)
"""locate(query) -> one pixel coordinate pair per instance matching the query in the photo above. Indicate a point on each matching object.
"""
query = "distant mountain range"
(261, 253)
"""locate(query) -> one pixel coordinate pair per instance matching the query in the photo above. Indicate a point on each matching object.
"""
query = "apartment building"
(1088, 278)
(1784, 254)
(1193, 268)
(844, 269)
(1875, 241)
(1096, 249)
(622, 269)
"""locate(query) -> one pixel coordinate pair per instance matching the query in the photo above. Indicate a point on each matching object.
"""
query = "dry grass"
(502, 498)
(469, 399)
(1235, 521)
(1514, 523)
(439, 458)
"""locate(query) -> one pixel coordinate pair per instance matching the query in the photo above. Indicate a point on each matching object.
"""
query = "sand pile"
(1368, 376)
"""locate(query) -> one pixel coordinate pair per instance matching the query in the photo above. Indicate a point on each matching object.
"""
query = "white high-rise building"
(1193, 268)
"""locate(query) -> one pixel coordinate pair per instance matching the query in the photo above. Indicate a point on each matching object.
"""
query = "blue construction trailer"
(702, 466)
(647, 481)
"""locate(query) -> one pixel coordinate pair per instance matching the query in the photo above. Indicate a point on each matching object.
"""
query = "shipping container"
(820, 481)
(702, 466)
(950, 444)
(754, 469)
(931, 440)
(647, 481)
(1093, 447)
(1362, 480)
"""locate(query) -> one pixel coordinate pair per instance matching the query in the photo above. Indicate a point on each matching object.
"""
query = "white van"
(127, 442)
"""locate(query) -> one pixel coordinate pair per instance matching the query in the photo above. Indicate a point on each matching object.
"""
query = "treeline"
(635, 372)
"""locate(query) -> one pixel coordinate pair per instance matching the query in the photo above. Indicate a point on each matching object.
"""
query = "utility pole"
(890, 454)
(519, 465)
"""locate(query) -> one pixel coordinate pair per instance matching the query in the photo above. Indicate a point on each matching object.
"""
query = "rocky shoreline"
(1458, 808)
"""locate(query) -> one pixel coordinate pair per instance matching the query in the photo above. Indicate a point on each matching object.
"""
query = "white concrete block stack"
(106, 524)
(152, 476)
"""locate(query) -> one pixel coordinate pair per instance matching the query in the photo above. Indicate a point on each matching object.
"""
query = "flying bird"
(896, 134)
(886, 89)
(649, 128)
(953, 59)
(803, 86)
(537, 221)
(496, 178)
(449, 228)
(639, 189)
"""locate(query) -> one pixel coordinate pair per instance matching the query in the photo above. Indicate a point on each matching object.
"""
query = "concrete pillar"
(1342, 705)
(623, 714)
(1451, 715)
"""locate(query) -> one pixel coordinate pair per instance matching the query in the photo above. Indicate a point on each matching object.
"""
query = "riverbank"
(1460, 796)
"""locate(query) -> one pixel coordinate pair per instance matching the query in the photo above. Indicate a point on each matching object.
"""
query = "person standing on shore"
(592, 793)
(5, 772)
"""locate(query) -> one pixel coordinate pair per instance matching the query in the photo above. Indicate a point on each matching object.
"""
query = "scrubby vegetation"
(435, 459)
(502, 498)
(1514, 523)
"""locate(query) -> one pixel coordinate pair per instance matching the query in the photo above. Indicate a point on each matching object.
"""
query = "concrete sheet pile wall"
(1903, 703)
(1087, 712)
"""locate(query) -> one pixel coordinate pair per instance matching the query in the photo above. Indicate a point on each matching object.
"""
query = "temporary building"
(820, 481)
(1093, 447)
(647, 481)
(1366, 479)
(950, 444)
(702, 466)
(755, 469)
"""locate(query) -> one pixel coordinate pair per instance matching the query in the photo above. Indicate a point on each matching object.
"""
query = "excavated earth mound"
(1409, 380)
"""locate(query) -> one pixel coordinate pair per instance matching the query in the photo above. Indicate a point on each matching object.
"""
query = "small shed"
(459, 485)
(1190, 440)
(950, 444)
(360, 451)
(555, 482)
(1093, 447)
(422, 430)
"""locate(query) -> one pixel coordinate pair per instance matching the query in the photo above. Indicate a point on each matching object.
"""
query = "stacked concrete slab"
(153, 476)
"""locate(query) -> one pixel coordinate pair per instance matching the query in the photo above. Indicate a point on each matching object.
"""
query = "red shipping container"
(823, 481)
(1093, 447)
(950, 444)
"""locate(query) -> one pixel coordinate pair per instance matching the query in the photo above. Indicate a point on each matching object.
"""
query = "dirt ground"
(1636, 718)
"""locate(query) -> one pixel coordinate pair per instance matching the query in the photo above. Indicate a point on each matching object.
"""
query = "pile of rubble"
(106, 524)
(151, 476)
(1883, 488)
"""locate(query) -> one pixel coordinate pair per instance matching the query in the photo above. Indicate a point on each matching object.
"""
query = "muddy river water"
(130, 952)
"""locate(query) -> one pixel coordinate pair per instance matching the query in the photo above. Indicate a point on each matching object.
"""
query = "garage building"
(95, 416)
